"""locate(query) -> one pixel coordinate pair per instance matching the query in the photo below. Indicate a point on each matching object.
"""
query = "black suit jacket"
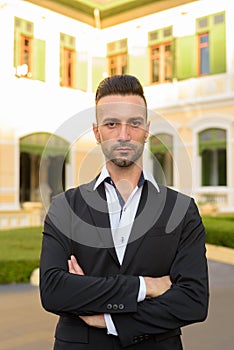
(167, 238)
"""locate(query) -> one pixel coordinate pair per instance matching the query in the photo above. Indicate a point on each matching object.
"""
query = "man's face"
(121, 128)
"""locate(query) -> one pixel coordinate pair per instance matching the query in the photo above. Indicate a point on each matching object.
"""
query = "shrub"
(219, 230)
(20, 248)
(17, 271)
(20, 253)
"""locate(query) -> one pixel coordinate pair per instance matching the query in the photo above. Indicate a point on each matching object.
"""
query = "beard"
(123, 158)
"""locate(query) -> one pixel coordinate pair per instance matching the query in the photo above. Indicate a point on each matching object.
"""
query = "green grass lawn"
(20, 248)
(20, 244)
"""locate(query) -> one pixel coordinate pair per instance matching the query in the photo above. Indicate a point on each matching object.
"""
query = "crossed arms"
(170, 303)
(155, 286)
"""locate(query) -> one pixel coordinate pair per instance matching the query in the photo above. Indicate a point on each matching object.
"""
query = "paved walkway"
(220, 254)
(26, 326)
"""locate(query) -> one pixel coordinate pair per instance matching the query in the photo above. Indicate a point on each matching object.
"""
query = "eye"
(135, 123)
(111, 125)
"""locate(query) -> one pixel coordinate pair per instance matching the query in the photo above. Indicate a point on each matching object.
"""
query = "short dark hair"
(119, 85)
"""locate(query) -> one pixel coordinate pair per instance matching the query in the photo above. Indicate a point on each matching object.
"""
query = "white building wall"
(32, 106)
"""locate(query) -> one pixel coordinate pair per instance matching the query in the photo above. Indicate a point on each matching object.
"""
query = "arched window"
(33, 148)
(161, 146)
(212, 149)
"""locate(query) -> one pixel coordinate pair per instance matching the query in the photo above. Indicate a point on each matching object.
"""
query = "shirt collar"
(105, 174)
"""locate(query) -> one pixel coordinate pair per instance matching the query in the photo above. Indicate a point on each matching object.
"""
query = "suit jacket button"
(121, 306)
(135, 340)
(115, 307)
(141, 337)
(109, 306)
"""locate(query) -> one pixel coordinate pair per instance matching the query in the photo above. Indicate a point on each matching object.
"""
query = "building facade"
(51, 66)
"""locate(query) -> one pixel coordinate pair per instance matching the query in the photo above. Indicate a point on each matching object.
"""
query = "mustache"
(124, 144)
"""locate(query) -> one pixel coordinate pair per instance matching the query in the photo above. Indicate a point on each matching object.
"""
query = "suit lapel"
(97, 206)
(149, 210)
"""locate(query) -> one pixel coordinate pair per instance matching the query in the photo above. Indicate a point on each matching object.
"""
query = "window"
(44, 154)
(29, 52)
(68, 66)
(160, 53)
(219, 18)
(117, 57)
(211, 39)
(67, 60)
(212, 149)
(117, 64)
(161, 63)
(204, 54)
(203, 22)
(161, 146)
(26, 55)
(23, 48)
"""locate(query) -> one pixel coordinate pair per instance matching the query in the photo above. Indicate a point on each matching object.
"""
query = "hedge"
(17, 271)
(219, 230)
(20, 248)
(20, 254)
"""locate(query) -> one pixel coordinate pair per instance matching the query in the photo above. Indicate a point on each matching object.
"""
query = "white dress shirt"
(122, 215)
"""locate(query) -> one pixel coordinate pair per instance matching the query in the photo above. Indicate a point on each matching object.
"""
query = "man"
(123, 260)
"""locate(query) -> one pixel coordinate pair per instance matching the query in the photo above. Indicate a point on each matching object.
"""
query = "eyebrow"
(118, 120)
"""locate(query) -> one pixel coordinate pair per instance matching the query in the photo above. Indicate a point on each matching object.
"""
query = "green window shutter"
(99, 66)
(185, 57)
(82, 70)
(17, 48)
(139, 65)
(218, 46)
(39, 52)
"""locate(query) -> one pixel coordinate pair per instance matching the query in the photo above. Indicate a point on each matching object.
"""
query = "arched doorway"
(32, 149)
(161, 146)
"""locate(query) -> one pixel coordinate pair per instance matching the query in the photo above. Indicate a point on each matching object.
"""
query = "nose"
(124, 132)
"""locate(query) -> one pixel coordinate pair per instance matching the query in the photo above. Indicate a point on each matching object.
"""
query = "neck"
(125, 178)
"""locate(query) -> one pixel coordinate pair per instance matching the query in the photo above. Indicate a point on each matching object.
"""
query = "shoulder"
(73, 193)
(173, 194)
(176, 201)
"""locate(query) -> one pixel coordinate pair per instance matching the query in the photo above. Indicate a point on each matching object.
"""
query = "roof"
(106, 13)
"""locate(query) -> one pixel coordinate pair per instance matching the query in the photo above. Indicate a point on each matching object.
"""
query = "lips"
(123, 149)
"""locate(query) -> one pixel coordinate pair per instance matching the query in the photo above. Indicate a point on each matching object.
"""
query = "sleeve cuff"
(142, 290)
(110, 325)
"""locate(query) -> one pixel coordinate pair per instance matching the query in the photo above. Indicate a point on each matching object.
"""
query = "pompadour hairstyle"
(120, 85)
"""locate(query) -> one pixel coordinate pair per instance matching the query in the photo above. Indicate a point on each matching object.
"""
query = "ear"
(96, 133)
(147, 130)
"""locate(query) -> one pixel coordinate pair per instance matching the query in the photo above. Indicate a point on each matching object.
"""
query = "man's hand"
(156, 286)
(74, 267)
(97, 321)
